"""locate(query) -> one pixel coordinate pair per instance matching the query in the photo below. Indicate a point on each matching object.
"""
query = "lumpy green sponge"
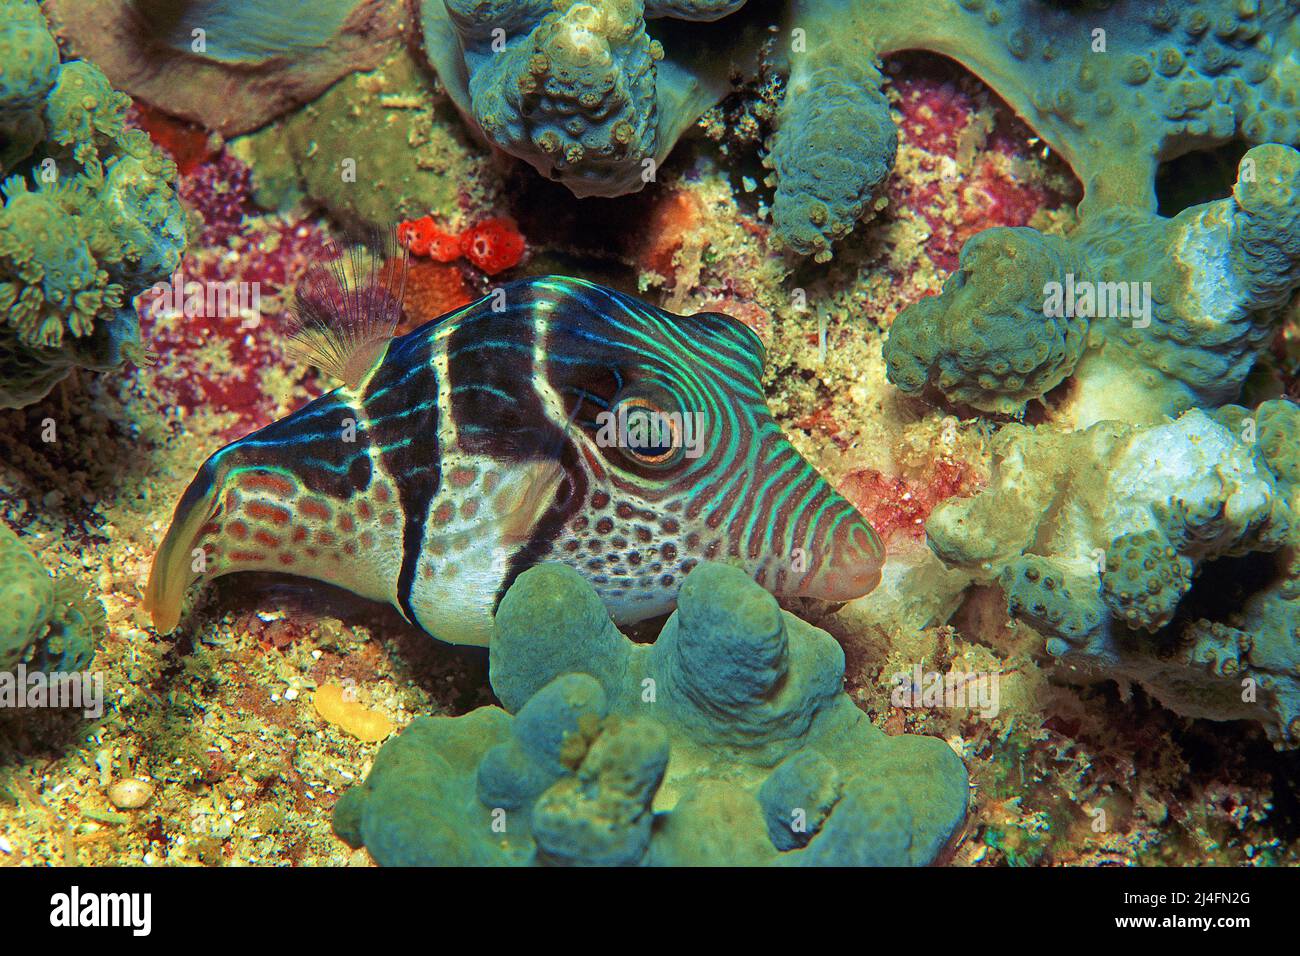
(728, 741)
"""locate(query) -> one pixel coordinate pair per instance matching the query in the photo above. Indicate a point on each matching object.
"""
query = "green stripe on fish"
(555, 420)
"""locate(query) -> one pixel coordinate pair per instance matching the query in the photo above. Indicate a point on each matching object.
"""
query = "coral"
(48, 625)
(1173, 312)
(89, 217)
(729, 740)
(986, 340)
(1116, 88)
(582, 89)
(595, 93)
(835, 140)
(1111, 542)
(229, 65)
(373, 149)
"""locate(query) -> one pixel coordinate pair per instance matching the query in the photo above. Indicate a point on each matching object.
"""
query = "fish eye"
(648, 433)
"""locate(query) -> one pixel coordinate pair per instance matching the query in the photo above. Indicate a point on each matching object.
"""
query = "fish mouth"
(174, 565)
(853, 566)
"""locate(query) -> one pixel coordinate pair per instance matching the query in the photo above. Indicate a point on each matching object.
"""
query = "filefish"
(553, 420)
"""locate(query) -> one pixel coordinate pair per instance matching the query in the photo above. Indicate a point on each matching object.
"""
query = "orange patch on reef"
(432, 289)
(893, 504)
(493, 245)
(671, 220)
(188, 144)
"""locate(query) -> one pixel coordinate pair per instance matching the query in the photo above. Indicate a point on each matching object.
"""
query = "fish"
(552, 420)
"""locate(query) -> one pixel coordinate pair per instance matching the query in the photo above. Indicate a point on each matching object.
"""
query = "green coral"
(1144, 580)
(1039, 592)
(1150, 316)
(47, 625)
(89, 218)
(730, 740)
(987, 341)
(386, 123)
(1119, 543)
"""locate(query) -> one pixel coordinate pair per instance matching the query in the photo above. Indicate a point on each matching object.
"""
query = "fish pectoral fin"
(520, 504)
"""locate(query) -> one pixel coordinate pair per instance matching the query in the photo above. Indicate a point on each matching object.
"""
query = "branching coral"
(45, 624)
(89, 217)
(1111, 542)
(730, 740)
(1174, 312)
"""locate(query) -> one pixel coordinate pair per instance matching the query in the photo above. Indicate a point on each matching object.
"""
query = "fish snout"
(851, 563)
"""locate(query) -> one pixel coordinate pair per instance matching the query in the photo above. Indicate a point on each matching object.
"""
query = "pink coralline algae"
(969, 177)
(219, 324)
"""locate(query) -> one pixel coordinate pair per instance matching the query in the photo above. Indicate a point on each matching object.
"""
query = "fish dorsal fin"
(347, 308)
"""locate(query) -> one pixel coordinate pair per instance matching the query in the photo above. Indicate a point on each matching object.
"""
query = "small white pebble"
(5, 846)
(291, 694)
(130, 793)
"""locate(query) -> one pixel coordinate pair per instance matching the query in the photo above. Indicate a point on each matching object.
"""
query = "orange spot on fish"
(270, 540)
(272, 513)
(469, 508)
(462, 477)
(363, 511)
(346, 523)
(442, 514)
(247, 557)
(263, 482)
(314, 508)
(238, 530)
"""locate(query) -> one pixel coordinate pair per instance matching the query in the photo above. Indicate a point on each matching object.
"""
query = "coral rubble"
(727, 740)
(90, 218)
